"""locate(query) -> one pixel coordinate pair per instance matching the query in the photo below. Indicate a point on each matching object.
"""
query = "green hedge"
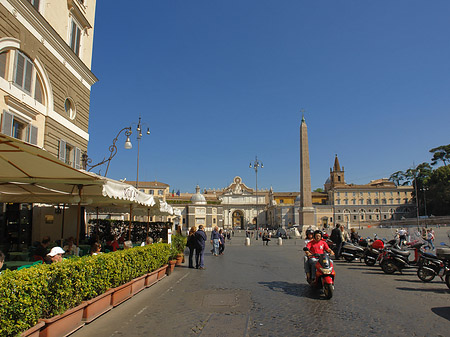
(44, 291)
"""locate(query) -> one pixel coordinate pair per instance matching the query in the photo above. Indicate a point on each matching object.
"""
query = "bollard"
(247, 241)
(280, 241)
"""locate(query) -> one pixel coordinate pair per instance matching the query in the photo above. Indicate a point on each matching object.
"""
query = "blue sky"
(219, 82)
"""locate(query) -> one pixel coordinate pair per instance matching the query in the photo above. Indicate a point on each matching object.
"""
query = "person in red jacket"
(315, 246)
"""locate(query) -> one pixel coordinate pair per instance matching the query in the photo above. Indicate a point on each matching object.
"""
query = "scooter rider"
(315, 246)
(309, 236)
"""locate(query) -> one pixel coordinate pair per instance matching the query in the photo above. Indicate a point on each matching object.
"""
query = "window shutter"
(62, 150)
(33, 134)
(20, 65)
(28, 73)
(77, 158)
(7, 122)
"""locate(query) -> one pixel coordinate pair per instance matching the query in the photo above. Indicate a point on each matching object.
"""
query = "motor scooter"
(393, 259)
(324, 274)
(350, 252)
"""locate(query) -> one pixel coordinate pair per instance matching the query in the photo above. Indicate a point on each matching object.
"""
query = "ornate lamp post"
(112, 149)
(138, 137)
(255, 165)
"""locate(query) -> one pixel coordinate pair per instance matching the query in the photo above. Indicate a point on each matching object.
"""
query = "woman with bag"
(191, 245)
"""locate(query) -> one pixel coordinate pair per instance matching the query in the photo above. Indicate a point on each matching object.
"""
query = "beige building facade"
(45, 74)
(45, 86)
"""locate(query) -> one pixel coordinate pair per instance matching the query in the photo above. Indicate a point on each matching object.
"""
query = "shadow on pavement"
(294, 289)
(411, 281)
(444, 312)
(437, 291)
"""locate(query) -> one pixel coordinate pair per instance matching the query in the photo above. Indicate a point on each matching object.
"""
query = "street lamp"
(424, 189)
(255, 165)
(112, 149)
(138, 137)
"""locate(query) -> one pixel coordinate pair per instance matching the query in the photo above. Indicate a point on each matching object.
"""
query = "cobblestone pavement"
(261, 291)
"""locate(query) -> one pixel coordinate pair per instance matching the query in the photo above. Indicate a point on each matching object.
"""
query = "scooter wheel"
(369, 262)
(348, 258)
(388, 267)
(328, 290)
(426, 275)
(447, 280)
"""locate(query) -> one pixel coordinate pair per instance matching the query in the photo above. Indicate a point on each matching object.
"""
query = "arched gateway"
(238, 219)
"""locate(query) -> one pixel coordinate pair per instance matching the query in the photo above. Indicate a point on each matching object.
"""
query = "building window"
(69, 154)
(398, 201)
(354, 201)
(35, 4)
(354, 217)
(354, 194)
(346, 194)
(75, 37)
(160, 192)
(346, 201)
(338, 194)
(361, 201)
(3, 65)
(376, 201)
(369, 201)
(339, 217)
(281, 201)
(214, 220)
(23, 72)
(17, 128)
(338, 202)
(69, 108)
(152, 192)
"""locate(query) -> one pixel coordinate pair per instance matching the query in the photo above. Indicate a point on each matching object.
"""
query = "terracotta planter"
(65, 324)
(121, 294)
(162, 272)
(138, 284)
(97, 306)
(172, 264)
(33, 331)
(180, 258)
(151, 278)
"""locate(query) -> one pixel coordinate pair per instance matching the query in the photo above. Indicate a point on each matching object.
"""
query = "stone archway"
(238, 219)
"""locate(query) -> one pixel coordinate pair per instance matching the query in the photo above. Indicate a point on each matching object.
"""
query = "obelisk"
(306, 210)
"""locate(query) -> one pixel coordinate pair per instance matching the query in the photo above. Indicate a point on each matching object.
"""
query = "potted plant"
(172, 259)
(179, 243)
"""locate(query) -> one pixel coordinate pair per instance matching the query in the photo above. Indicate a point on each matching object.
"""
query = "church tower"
(306, 210)
(336, 174)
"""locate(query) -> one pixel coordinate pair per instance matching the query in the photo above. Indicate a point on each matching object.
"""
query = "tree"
(397, 177)
(438, 193)
(320, 190)
(440, 153)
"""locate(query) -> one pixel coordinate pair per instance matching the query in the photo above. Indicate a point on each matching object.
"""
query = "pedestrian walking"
(191, 241)
(430, 239)
(200, 239)
(221, 242)
(215, 240)
(336, 237)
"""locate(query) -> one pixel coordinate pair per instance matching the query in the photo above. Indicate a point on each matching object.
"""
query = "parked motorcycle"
(430, 266)
(393, 259)
(350, 252)
(324, 275)
(374, 251)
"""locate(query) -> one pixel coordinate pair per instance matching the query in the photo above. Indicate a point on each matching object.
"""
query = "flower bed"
(45, 291)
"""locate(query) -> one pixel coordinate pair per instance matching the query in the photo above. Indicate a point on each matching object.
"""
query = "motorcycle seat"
(430, 255)
(401, 252)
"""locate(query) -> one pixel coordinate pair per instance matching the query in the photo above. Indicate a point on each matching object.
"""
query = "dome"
(198, 198)
(328, 181)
